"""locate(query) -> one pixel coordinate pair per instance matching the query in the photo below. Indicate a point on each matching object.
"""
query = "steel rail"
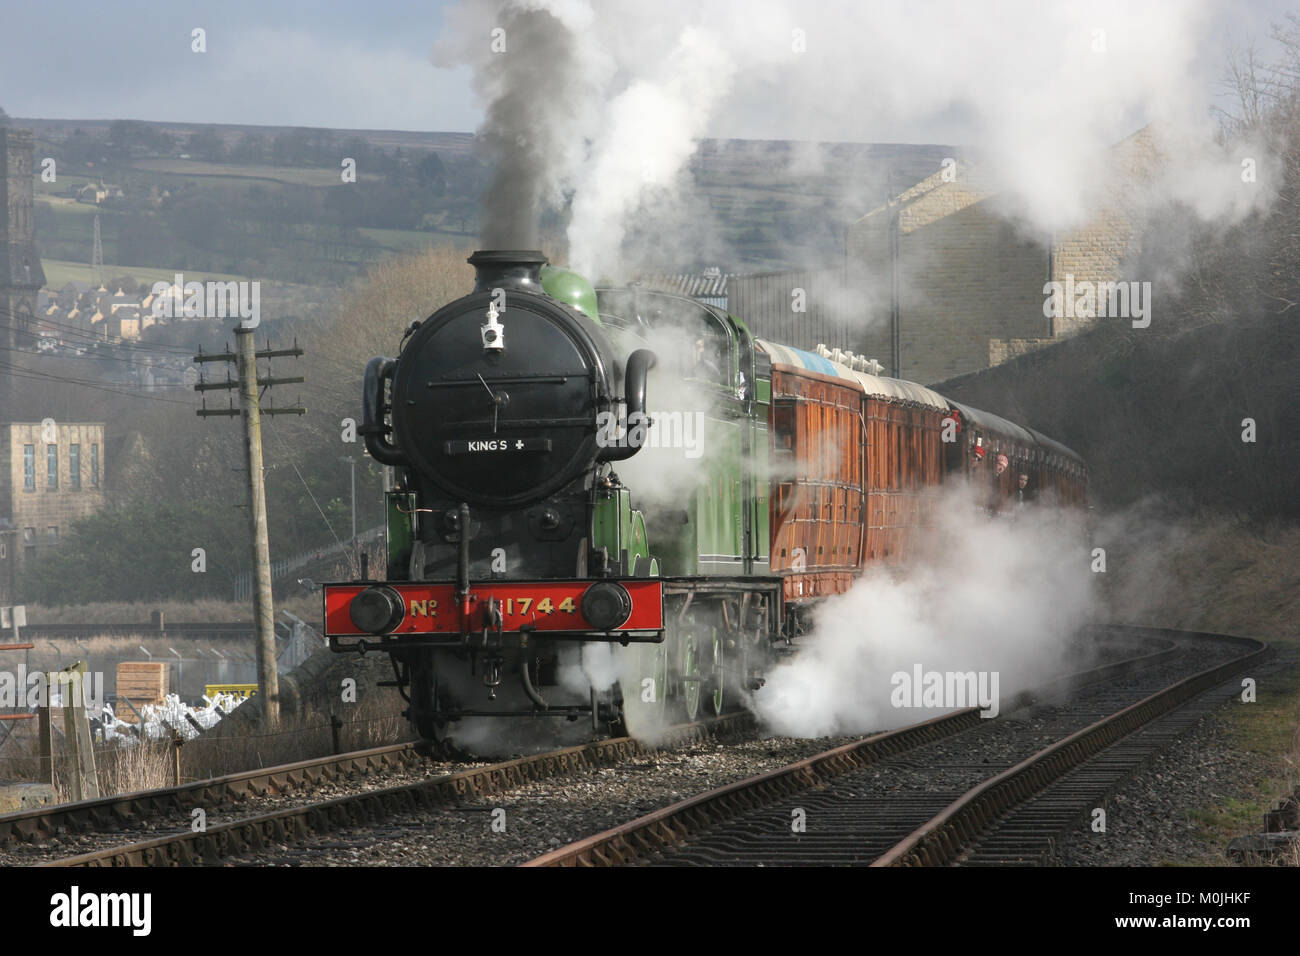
(942, 840)
(109, 812)
(676, 823)
(294, 824)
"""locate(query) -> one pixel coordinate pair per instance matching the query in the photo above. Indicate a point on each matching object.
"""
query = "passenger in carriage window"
(995, 485)
(1024, 495)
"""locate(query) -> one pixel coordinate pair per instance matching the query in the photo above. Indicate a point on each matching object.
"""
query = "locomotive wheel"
(714, 649)
(689, 673)
(424, 701)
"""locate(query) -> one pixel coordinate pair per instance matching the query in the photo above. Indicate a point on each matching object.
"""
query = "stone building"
(51, 474)
(958, 281)
(942, 280)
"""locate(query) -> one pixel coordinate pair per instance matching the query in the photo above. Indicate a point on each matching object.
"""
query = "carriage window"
(783, 423)
(954, 454)
(898, 454)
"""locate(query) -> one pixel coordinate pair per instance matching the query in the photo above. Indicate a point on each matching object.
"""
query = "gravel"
(542, 816)
(1149, 820)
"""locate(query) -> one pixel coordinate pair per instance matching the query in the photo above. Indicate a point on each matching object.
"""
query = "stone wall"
(966, 274)
(970, 280)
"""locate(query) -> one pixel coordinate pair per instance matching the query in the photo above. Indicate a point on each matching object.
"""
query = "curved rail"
(676, 823)
(945, 837)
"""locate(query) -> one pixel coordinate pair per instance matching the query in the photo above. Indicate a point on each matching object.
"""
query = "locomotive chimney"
(508, 269)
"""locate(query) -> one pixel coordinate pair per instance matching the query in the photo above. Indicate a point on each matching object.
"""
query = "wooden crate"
(141, 682)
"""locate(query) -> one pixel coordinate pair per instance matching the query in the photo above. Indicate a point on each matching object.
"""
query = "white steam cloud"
(1040, 91)
(998, 597)
(672, 465)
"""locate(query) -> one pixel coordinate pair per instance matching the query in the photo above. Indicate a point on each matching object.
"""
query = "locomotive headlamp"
(606, 605)
(377, 610)
(494, 333)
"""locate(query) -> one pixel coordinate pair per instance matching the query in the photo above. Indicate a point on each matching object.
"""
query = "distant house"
(168, 301)
(123, 325)
(96, 193)
(120, 300)
(78, 308)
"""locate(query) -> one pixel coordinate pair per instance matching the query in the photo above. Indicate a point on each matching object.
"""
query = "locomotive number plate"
(542, 606)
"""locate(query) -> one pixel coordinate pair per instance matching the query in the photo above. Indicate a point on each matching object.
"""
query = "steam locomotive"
(531, 593)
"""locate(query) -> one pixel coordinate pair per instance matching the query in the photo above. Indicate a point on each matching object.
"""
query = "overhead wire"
(22, 372)
(92, 337)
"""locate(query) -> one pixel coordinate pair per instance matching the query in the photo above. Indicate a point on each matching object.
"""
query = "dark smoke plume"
(527, 85)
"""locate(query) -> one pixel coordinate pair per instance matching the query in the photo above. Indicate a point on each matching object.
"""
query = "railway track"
(924, 795)
(125, 810)
(293, 821)
(287, 825)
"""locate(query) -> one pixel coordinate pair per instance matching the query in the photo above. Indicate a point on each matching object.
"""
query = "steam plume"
(601, 106)
(1000, 596)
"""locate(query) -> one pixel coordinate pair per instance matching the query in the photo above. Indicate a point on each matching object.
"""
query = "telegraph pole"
(263, 605)
(251, 411)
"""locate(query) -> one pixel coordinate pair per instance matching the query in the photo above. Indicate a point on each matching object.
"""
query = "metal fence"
(342, 557)
(804, 308)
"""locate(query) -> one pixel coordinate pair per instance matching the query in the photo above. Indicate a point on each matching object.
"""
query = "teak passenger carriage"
(523, 581)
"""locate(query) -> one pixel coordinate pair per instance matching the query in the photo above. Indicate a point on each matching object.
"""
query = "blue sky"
(283, 62)
(333, 63)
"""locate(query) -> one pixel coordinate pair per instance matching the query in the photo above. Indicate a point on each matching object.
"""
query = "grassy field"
(59, 272)
(400, 240)
(1267, 731)
(66, 204)
(291, 175)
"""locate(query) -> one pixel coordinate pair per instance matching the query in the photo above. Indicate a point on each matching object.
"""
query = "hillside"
(271, 202)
